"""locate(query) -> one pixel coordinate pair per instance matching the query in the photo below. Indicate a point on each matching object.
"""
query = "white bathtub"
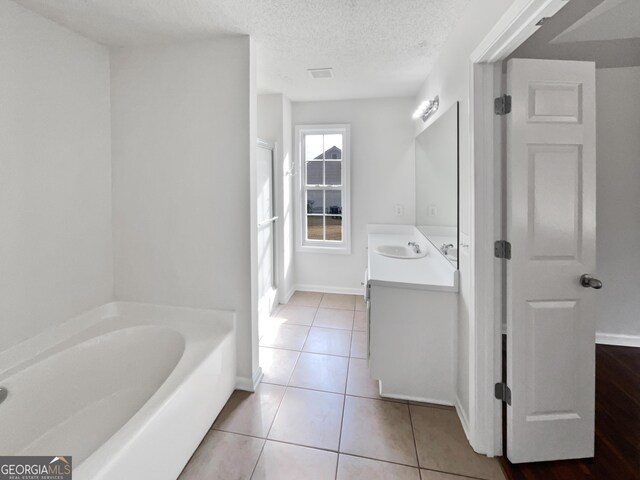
(128, 390)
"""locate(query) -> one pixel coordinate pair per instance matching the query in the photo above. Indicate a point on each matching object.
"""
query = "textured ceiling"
(375, 47)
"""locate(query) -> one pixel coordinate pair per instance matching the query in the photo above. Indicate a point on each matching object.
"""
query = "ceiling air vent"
(320, 72)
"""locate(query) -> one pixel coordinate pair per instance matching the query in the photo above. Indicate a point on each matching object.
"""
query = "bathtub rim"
(56, 335)
(219, 329)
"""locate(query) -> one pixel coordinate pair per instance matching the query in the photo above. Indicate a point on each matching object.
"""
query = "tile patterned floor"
(317, 415)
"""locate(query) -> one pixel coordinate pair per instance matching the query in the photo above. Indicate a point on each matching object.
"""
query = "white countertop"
(431, 272)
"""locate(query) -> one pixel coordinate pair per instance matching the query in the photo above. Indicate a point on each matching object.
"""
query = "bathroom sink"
(398, 251)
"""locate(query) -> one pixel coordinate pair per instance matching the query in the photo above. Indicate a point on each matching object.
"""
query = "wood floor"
(617, 446)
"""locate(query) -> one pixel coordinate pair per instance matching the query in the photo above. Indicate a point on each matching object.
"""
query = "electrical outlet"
(399, 209)
(433, 211)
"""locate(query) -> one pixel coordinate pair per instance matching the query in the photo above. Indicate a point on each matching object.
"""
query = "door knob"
(587, 281)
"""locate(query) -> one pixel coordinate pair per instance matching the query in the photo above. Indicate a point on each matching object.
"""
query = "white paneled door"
(551, 225)
(266, 229)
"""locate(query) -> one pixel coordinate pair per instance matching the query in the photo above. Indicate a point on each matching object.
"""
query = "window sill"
(341, 250)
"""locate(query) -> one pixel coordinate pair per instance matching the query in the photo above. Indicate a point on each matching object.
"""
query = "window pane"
(315, 201)
(313, 147)
(334, 202)
(314, 228)
(314, 173)
(334, 228)
(333, 173)
(333, 146)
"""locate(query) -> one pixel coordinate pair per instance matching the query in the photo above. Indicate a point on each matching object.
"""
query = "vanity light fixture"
(427, 108)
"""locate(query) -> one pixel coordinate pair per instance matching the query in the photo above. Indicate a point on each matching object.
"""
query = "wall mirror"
(437, 183)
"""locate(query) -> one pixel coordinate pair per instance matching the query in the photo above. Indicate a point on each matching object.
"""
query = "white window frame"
(323, 246)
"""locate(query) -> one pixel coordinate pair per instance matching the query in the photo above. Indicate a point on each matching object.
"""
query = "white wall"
(55, 177)
(382, 175)
(182, 143)
(618, 194)
(274, 126)
(449, 78)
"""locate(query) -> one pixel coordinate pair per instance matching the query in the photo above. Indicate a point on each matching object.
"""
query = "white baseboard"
(463, 419)
(395, 396)
(286, 296)
(617, 339)
(411, 398)
(330, 289)
(247, 384)
(610, 339)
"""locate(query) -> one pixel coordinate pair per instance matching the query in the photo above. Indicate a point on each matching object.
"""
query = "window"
(323, 159)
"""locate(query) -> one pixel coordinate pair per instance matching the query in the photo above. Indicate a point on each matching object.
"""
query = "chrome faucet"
(445, 248)
(415, 246)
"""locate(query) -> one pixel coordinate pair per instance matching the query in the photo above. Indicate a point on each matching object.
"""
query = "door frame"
(485, 142)
(275, 294)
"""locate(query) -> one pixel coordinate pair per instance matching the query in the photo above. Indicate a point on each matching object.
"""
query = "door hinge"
(503, 393)
(502, 105)
(502, 249)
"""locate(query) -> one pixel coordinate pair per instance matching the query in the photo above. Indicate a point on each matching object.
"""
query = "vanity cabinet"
(411, 349)
(412, 313)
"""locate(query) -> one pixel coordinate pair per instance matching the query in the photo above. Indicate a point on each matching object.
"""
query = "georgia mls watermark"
(35, 468)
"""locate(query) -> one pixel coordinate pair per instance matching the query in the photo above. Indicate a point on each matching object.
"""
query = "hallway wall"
(618, 203)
